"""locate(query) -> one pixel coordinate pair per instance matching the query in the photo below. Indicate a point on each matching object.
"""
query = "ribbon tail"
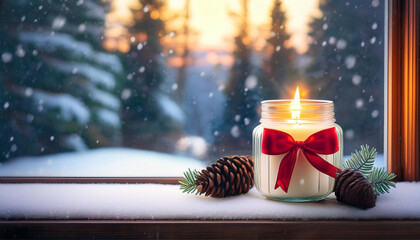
(320, 164)
(286, 169)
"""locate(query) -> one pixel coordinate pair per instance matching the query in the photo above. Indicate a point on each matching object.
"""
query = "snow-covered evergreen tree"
(57, 82)
(150, 114)
(242, 92)
(348, 66)
(278, 68)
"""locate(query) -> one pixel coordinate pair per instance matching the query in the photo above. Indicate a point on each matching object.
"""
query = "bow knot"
(276, 142)
(299, 144)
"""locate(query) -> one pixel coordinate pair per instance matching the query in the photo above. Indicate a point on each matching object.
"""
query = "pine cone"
(353, 188)
(229, 176)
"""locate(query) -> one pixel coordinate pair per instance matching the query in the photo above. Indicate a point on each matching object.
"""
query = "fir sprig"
(188, 182)
(362, 160)
(381, 180)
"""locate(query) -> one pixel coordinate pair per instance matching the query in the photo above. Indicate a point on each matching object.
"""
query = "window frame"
(401, 104)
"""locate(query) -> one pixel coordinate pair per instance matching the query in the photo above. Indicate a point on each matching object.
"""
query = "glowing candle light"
(295, 106)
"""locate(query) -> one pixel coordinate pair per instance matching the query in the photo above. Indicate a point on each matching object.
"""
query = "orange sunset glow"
(214, 25)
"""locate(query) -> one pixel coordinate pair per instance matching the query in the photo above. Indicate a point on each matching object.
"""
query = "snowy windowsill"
(157, 201)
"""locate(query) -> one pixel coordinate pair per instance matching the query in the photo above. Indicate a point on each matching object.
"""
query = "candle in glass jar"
(306, 183)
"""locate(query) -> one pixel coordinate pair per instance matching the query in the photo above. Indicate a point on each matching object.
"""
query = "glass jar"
(306, 182)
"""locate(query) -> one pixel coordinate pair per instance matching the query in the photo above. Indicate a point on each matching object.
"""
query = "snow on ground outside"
(156, 201)
(106, 162)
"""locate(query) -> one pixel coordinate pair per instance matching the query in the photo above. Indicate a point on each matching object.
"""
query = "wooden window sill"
(195, 229)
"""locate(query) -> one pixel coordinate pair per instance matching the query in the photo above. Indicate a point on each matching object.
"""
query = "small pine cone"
(352, 187)
(228, 176)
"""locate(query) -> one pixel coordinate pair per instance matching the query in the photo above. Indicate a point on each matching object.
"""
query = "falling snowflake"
(373, 40)
(357, 79)
(125, 94)
(6, 57)
(375, 3)
(349, 134)
(19, 51)
(374, 26)
(350, 61)
(58, 22)
(375, 113)
(28, 92)
(359, 103)
(251, 82)
(341, 44)
(82, 27)
(235, 131)
(332, 40)
(175, 86)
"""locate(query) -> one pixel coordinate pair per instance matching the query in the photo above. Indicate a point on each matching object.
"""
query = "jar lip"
(302, 102)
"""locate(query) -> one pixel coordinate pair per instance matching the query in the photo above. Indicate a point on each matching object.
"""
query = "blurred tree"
(150, 115)
(348, 67)
(279, 70)
(181, 77)
(57, 84)
(242, 92)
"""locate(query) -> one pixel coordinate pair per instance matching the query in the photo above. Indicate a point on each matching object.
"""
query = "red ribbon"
(276, 142)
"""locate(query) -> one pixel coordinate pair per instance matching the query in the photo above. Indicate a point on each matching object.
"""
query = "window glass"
(151, 87)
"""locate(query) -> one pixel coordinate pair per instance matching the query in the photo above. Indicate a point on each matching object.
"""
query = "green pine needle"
(381, 180)
(188, 182)
(362, 160)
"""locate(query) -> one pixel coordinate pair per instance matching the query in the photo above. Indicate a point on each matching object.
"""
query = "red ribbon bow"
(276, 142)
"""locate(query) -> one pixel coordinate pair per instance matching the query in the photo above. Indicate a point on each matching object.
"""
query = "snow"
(96, 75)
(170, 108)
(69, 106)
(6, 57)
(60, 41)
(105, 162)
(350, 61)
(75, 142)
(156, 201)
(95, 11)
(104, 98)
(109, 117)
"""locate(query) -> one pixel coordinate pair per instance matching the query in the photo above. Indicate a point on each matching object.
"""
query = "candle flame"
(295, 105)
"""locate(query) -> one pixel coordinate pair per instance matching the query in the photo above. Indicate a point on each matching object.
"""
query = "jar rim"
(302, 102)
